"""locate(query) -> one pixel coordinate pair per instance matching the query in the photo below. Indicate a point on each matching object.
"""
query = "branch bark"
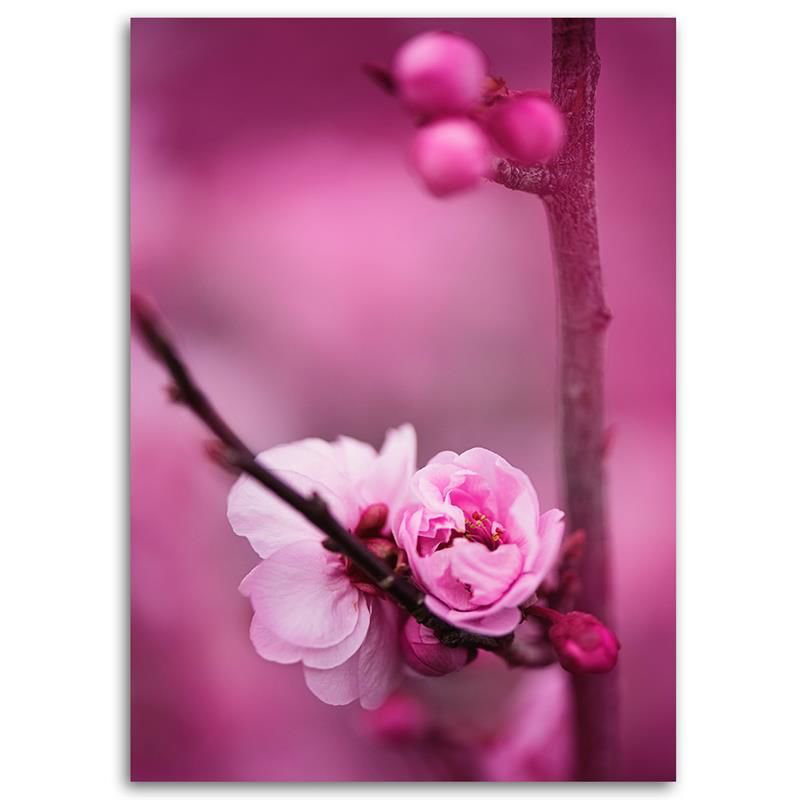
(232, 452)
(583, 319)
(539, 179)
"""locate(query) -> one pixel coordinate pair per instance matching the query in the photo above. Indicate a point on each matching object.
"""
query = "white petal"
(267, 521)
(337, 686)
(270, 647)
(387, 480)
(333, 656)
(355, 458)
(379, 662)
(300, 593)
(314, 458)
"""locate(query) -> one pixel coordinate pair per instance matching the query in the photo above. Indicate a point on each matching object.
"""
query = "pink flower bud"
(583, 644)
(528, 127)
(451, 155)
(402, 718)
(372, 520)
(439, 73)
(425, 654)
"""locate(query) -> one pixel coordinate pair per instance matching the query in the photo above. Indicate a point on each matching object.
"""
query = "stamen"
(478, 528)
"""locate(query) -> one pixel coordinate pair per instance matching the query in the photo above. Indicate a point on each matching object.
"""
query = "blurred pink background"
(317, 290)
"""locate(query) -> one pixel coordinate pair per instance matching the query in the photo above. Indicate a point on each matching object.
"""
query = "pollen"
(478, 528)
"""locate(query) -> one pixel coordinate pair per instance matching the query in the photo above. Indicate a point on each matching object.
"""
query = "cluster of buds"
(466, 117)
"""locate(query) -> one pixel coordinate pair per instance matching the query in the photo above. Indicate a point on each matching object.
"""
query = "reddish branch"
(567, 188)
(231, 451)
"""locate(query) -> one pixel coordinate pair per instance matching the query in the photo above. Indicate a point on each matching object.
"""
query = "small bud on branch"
(372, 521)
(426, 655)
(581, 642)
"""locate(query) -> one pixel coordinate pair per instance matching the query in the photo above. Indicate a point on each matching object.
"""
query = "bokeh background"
(317, 290)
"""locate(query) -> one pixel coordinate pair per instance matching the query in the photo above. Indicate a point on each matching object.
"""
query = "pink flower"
(475, 539)
(306, 606)
(451, 155)
(439, 73)
(426, 655)
(528, 127)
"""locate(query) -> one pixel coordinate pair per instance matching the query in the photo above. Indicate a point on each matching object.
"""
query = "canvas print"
(402, 400)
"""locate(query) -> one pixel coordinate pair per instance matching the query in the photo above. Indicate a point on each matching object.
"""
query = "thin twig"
(237, 455)
(538, 179)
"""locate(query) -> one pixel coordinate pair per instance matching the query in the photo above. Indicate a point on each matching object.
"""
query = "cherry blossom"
(475, 539)
(309, 606)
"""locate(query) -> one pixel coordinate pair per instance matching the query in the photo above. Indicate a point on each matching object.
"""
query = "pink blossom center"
(369, 530)
(478, 527)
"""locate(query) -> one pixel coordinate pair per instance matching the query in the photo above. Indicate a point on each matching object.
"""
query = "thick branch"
(583, 318)
(236, 454)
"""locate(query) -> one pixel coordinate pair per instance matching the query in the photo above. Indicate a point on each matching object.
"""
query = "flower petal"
(315, 458)
(373, 672)
(522, 591)
(271, 647)
(512, 487)
(551, 532)
(355, 458)
(379, 662)
(487, 573)
(495, 623)
(445, 457)
(266, 520)
(337, 686)
(301, 594)
(389, 474)
(333, 656)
